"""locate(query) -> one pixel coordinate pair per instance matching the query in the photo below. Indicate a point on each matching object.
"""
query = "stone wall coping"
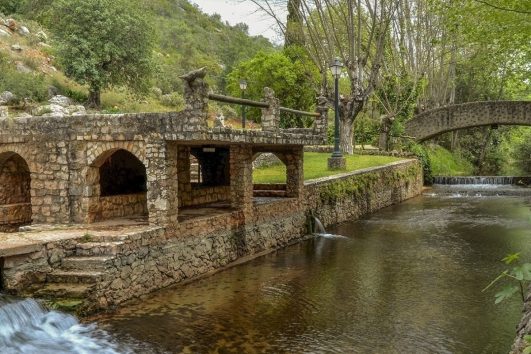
(169, 126)
(324, 180)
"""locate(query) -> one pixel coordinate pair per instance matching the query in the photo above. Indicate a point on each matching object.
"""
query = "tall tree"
(353, 30)
(103, 43)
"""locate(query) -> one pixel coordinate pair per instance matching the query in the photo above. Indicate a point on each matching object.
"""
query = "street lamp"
(243, 87)
(336, 67)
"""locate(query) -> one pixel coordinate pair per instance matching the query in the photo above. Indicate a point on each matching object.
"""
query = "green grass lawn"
(315, 166)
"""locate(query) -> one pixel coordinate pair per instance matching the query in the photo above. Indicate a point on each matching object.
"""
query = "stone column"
(183, 166)
(241, 177)
(271, 115)
(294, 172)
(196, 99)
(320, 126)
(162, 198)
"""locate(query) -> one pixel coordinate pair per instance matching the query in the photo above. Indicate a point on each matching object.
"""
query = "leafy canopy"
(103, 43)
(292, 78)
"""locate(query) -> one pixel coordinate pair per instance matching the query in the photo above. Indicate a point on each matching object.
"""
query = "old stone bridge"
(467, 115)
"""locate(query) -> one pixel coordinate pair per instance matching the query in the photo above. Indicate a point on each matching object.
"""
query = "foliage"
(516, 279)
(292, 81)
(315, 166)
(447, 163)
(421, 153)
(103, 43)
(31, 86)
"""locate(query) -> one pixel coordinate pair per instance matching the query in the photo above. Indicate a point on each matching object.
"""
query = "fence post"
(196, 99)
(271, 115)
(321, 123)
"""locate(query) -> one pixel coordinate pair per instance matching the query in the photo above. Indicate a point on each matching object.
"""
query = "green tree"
(292, 78)
(103, 43)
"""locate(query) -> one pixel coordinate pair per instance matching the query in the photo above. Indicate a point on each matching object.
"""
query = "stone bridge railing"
(467, 115)
(197, 96)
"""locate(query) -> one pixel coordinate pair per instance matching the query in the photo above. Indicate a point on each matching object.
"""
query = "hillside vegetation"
(186, 39)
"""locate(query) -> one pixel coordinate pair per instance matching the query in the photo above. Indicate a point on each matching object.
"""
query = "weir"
(481, 180)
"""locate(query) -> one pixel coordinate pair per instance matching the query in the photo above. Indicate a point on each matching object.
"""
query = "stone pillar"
(183, 166)
(271, 115)
(162, 198)
(241, 177)
(320, 126)
(196, 99)
(294, 172)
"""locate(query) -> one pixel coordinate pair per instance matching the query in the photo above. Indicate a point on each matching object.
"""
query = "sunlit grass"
(315, 166)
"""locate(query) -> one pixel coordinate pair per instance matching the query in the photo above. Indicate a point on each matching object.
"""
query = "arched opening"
(118, 184)
(269, 175)
(15, 195)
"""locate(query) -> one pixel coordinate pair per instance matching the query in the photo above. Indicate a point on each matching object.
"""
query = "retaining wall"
(198, 246)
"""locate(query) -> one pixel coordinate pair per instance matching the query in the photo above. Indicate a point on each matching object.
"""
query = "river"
(406, 279)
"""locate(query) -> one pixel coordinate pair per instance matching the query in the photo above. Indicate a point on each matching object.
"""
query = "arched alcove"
(116, 187)
(15, 191)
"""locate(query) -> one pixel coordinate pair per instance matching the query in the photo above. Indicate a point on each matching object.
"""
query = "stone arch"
(468, 115)
(276, 188)
(15, 191)
(116, 186)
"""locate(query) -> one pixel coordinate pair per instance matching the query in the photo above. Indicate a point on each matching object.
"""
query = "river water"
(406, 279)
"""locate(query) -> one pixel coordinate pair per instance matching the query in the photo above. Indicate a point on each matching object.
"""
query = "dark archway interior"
(214, 165)
(122, 173)
(15, 180)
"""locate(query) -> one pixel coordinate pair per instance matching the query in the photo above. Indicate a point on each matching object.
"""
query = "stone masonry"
(441, 120)
(112, 211)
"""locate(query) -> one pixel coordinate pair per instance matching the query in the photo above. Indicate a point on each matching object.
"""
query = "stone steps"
(74, 276)
(86, 263)
(91, 249)
(64, 290)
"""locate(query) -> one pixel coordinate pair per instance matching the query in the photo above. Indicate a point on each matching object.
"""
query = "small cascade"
(320, 230)
(476, 180)
(26, 327)
(319, 226)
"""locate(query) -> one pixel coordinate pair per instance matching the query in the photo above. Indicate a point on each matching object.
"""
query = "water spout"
(320, 230)
(319, 226)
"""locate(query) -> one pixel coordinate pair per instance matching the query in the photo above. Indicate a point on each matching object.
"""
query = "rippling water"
(27, 328)
(407, 279)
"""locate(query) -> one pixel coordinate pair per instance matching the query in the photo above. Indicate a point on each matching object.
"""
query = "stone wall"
(14, 215)
(204, 194)
(154, 257)
(119, 206)
(162, 257)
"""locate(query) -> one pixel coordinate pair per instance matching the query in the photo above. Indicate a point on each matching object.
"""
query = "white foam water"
(27, 328)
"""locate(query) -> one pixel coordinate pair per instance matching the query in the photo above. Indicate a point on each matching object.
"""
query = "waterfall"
(319, 226)
(27, 327)
(495, 180)
(320, 230)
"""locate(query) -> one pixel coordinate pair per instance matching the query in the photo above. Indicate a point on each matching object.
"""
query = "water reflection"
(408, 280)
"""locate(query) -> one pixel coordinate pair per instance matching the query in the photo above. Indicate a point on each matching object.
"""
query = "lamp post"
(336, 67)
(337, 161)
(243, 87)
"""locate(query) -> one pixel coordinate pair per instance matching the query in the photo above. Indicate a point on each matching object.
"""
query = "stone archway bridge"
(467, 115)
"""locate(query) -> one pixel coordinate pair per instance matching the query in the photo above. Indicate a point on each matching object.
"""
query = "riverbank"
(524, 328)
(96, 270)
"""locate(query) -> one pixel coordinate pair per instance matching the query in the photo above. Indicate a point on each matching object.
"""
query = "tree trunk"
(94, 99)
(346, 136)
(483, 152)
